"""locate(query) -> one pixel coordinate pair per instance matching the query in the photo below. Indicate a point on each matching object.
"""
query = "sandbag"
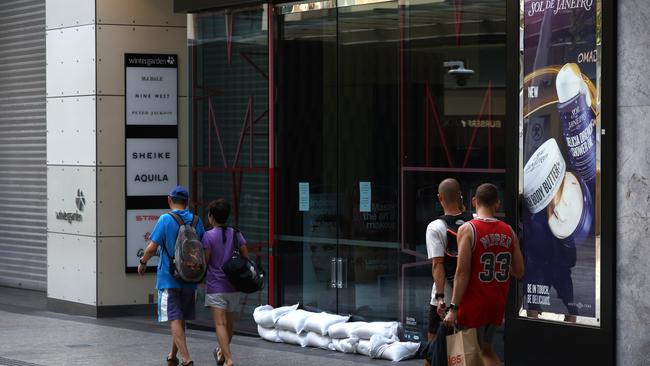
(267, 316)
(290, 337)
(343, 330)
(385, 329)
(364, 347)
(294, 320)
(345, 345)
(399, 351)
(318, 341)
(269, 334)
(320, 323)
(378, 345)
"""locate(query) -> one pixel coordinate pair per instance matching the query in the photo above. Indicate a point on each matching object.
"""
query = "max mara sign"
(151, 149)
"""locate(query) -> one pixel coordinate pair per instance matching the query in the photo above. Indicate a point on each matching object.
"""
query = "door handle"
(333, 283)
(340, 283)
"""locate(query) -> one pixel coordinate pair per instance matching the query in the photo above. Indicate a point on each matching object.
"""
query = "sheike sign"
(151, 166)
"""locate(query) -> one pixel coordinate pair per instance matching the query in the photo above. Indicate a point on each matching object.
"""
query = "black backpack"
(244, 274)
(188, 263)
(451, 250)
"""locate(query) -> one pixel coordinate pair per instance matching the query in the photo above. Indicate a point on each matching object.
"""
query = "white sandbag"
(343, 330)
(267, 316)
(290, 337)
(294, 320)
(385, 329)
(399, 351)
(318, 341)
(346, 345)
(269, 334)
(378, 345)
(320, 323)
(364, 347)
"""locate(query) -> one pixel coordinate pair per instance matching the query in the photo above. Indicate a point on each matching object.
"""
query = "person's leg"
(221, 325)
(485, 337)
(178, 335)
(229, 325)
(174, 353)
(434, 323)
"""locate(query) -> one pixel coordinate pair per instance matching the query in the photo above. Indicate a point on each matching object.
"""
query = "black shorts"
(434, 319)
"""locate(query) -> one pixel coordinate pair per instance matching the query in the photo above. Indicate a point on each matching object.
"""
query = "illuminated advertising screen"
(559, 183)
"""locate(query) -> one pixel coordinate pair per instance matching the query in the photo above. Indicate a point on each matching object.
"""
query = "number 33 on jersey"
(492, 249)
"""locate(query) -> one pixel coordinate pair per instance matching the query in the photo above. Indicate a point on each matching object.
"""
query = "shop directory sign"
(151, 89)
(560, 155)
(151, 146)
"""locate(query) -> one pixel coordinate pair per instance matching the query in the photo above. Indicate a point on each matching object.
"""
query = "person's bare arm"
(149, 252)
(517, 266)
(243, 251)
(438, 272)
(463, 269)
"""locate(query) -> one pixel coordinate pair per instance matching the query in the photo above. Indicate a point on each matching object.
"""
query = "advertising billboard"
(559, 182)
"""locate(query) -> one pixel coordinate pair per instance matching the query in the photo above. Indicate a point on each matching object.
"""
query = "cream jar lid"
(543, 175)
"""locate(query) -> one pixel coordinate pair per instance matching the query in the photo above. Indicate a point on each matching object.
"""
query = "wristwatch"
(453, 306)
(439, 296)
(143, 263)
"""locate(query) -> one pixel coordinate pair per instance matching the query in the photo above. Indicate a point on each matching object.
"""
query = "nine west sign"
(151, 148)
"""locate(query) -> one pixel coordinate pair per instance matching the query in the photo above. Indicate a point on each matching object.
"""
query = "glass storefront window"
(376, 102)
(229, 113)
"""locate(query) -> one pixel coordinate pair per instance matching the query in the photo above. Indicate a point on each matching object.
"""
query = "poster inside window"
(559, 183)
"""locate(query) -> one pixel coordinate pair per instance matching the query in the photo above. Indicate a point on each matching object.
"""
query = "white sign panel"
(139, 225)
(151, 89)
(151, 166)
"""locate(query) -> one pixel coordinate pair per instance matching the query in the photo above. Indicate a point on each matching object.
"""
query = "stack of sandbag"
(392, 349)
(266, 316)
(354, 337)
(291, 325)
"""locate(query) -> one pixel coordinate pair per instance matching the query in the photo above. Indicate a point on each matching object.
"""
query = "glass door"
(368, 110)
(306, 168)
(337, 81)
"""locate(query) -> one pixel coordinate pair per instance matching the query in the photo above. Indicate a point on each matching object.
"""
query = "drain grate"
(9, 362)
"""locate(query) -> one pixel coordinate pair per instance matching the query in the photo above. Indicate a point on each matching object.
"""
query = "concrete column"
(86, 42)
(633, 159)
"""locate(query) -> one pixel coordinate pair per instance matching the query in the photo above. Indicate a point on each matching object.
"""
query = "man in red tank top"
(488, 256)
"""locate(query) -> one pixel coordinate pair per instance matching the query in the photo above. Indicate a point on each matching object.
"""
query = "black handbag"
(244, 274)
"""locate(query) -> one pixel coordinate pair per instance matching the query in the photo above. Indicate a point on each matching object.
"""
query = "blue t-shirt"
(164, 233)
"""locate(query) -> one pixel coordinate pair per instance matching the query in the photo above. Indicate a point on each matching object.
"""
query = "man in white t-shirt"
(443, 250)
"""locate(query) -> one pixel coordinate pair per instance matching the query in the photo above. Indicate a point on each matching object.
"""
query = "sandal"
(218, 356)
(190, 363)
(172, 361)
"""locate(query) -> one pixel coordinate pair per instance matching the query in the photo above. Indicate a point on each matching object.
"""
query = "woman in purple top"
(220, 295)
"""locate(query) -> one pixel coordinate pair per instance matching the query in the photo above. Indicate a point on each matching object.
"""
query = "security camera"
(458, 71)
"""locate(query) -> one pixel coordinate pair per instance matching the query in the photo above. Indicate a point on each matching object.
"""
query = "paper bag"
(463, 349)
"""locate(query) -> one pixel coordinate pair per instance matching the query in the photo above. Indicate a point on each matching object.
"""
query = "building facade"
(328, 125)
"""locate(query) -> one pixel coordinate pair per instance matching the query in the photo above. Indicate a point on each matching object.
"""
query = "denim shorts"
(176, 304)
(227, 301)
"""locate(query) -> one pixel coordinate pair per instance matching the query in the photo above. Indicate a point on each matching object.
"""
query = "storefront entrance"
(369, 120)
(374, 103)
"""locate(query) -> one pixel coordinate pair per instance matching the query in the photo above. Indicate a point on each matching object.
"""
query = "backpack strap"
(177, 218)
(195, 220)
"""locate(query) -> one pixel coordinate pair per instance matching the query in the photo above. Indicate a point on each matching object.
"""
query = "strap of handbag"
(235, 238)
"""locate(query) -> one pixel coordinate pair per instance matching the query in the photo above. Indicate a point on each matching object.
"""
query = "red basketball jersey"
(484, 301)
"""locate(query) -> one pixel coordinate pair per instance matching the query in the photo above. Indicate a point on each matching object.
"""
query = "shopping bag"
(463, 349)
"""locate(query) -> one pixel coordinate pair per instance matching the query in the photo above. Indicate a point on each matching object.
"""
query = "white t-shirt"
(436, 244)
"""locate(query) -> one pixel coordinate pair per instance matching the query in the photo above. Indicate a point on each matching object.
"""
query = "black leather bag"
(244, 274)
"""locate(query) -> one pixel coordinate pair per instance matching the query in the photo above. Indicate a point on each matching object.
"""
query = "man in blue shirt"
(176, 299)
